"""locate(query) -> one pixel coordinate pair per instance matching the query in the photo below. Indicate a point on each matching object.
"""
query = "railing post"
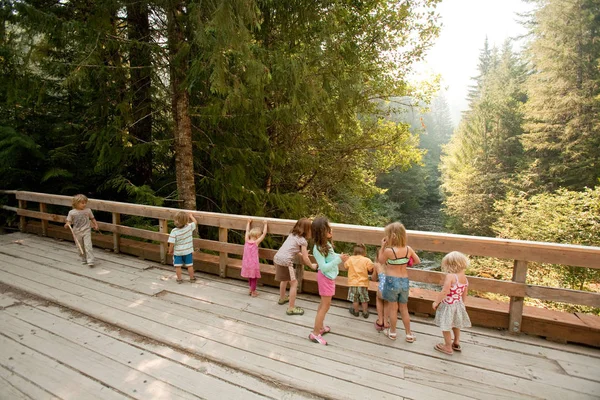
(223, 254)
(515, 313)
(116, 220)
(44, 221)
(300, 276)
(22, 220)
(163, 228)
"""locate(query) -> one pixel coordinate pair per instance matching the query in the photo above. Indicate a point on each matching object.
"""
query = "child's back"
(358, 270)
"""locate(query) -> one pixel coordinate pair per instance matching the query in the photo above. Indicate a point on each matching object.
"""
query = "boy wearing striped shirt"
(181, 244)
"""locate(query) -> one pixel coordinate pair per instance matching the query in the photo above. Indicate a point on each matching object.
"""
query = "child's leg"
(252, 282)
(365, 307)
(447, 340)
(392, 313)
(178, 272)
(405, 316)
(456, 336)
(282, 287)
(321, 312)
(293, 288)
(191, 271)
(381, 320)
(88, 249)
(355, 305)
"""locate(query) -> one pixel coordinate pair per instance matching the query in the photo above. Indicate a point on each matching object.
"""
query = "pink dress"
(250, 267)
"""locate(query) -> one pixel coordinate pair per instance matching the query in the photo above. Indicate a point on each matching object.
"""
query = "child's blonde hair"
(360, 249)
(181, 219)
(454, 262)
(395, 234)
(254, 233)
(79, 198)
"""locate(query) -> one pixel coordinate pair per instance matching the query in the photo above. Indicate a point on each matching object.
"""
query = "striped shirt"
(182, 238)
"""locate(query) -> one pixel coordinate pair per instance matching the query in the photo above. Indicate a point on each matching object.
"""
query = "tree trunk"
(140, 60)
(180, 102)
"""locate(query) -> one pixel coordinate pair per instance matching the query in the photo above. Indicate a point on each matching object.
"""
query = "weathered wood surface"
(126, 329)
(582, 256)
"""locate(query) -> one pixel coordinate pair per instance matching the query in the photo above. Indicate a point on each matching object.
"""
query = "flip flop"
(456, 347)
(440, 347)
(378, 327)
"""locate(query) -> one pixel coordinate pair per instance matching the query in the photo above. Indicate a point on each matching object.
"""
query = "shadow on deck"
(126, 329)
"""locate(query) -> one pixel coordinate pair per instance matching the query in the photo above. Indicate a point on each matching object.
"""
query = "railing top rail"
(554, 253)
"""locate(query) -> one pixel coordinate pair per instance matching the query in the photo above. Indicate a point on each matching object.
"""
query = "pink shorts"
(326, 285)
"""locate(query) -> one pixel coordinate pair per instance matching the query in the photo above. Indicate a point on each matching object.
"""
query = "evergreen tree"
(562, 134)
(482, 156)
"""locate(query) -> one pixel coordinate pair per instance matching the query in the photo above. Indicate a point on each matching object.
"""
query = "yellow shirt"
(358, 270)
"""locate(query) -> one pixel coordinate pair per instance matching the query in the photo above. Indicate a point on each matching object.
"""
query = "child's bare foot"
(254, 294)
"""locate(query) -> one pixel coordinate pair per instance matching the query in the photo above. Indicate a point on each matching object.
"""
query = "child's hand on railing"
(314, 267)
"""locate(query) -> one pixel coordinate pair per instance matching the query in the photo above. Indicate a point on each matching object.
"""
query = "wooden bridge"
(125, 329)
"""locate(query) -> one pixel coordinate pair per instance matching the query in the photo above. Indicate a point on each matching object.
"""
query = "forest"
(288, 109)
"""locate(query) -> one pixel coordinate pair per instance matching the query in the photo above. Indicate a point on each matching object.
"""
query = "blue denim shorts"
(396, 289)
(186, 260)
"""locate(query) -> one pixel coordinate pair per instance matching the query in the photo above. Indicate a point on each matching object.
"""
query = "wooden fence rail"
(520, 252)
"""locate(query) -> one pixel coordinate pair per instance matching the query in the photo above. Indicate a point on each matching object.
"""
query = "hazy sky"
(465, 24)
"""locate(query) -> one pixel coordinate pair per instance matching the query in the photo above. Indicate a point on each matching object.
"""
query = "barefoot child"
(79, 219)
(250, 264)
(359, 267)
(451, 314)
(396, 254)
(296, 243)
(181, 244)
(328, 262)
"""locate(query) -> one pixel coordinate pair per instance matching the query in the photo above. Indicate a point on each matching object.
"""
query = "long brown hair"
(302, 228)
(320, 229)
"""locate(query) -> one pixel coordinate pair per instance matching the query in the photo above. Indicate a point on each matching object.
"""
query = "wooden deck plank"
(153, 374)
(275, 367)
(581, 370)
(23, 385)
(62, 382)
(215, 318)
(121, 377)
(8, 391)
(310, 345)
(6, 301)
(190, 362)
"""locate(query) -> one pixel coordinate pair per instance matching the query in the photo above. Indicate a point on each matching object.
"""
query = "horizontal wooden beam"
(553, 253)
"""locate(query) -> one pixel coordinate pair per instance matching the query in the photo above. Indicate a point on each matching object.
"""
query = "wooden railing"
(520, 252)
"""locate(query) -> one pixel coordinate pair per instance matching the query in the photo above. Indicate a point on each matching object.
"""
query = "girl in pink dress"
(250, 264)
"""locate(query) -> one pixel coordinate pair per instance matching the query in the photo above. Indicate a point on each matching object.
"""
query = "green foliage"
(483, 155)
(562, 134)
(563, 217)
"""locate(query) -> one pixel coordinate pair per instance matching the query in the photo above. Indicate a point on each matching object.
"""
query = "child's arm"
(95, 224)
(415, 257)
(171, 247)
(305, 259)
(193, 219)
(323, 264)
(247, 235)
(68, 220)
(261, 238)
(444, 292)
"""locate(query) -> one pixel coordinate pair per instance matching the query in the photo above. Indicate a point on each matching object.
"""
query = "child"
(284, 263)
(451, 313)
(382, 321)
(328, 262)
(359, 267)
(181, 244)
(79, 218)
(397, 255)
(250, 264)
